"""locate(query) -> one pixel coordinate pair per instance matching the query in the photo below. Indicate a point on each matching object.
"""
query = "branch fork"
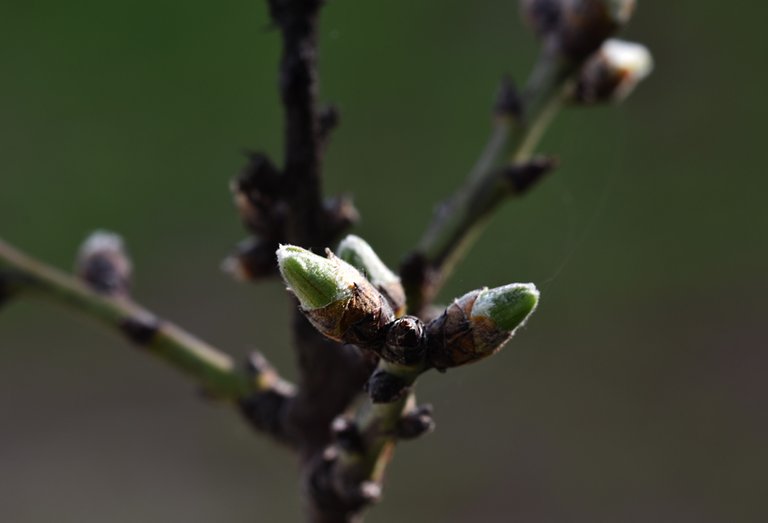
(363, 334)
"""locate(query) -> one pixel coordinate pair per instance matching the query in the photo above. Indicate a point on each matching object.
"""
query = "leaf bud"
(339, 301)
(478, 324)
(404, 344)
(358, 253)
(104, 265)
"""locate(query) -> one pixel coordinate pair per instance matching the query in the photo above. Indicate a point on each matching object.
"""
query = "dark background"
(637, 393)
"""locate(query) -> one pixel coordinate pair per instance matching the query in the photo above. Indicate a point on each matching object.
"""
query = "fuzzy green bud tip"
(316, 281)
(358, 253)
(508, 306)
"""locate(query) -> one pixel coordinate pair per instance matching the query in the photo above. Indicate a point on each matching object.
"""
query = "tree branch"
(22, 275)
(511, 146)
(297, 20)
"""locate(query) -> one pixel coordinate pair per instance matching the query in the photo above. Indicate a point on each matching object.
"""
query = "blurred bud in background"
(613, 72)
(104, 265)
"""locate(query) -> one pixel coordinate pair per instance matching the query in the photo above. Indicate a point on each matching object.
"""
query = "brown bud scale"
(453, 340)
(360, 319)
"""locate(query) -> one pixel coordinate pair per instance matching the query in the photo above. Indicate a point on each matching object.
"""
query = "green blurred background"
(638, 391)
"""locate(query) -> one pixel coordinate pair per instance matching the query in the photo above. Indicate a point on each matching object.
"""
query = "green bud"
(358, 253)
(316, 281)
(478, 324)
(339, 301)
(507, 307)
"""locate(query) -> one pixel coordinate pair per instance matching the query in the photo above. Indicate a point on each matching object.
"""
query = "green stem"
(378, 425)
(25, 276)
(463, 217)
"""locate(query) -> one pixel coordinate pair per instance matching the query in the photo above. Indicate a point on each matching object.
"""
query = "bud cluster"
(345, 306)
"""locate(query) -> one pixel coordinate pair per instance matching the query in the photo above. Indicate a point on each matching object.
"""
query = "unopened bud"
(256, 194)
(253, 259)
(404, 343)
(613, 72)
(103, 264)
(416, 423)
(358, 253)
(478, 324)
(339, 301)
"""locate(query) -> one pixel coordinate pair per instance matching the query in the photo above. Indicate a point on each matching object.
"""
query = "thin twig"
(24, 276)
(459, 221)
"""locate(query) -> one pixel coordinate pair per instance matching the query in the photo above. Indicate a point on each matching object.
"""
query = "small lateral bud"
(385, 387)
(253, 259)
(370, 492)
(416, 423)
(404, 344)
(347, 435)
(478, 324)
(521, 177)
(339, 301)
(358, 253)
(340, 214)
(104, 265)
(328, 119)
(256, 191)
(508, 101)
(613, 72)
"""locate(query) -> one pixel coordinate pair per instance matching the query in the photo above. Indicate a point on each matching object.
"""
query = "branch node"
(508, 101)
(404, 343)
(265, 408)
(347, 435)
(253, 259)
(257, 194)
(328, 119)
(522, 177)
(385, 387)
(140, 330)
(340, 214)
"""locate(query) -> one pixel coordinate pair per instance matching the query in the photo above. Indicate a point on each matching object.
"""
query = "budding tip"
(508, 306)
(316, 281)
(359, 253)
